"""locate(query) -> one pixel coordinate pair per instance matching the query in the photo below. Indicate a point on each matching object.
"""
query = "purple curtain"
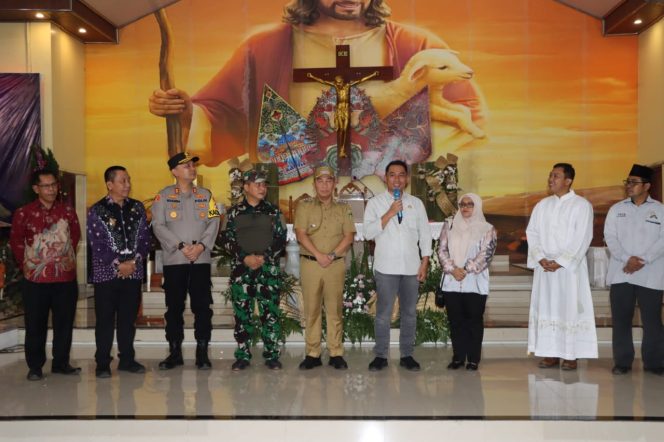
(20, 128)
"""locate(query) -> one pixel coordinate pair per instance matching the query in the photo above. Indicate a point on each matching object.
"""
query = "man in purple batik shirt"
(118, 237)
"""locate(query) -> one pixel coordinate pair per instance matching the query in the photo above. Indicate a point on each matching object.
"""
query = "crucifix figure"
(342, 112)
(342, 78)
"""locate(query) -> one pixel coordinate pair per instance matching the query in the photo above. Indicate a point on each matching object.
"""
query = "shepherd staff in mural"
(221, 120)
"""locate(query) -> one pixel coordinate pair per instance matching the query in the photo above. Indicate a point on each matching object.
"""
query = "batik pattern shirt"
(44, 241)
(117, 234)
(478, 259)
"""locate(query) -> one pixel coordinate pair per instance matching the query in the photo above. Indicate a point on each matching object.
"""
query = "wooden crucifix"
(342, 78)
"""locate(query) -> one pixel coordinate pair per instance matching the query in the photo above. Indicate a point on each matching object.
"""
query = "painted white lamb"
(434, 68)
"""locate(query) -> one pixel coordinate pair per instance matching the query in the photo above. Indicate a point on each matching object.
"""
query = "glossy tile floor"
(508, 386)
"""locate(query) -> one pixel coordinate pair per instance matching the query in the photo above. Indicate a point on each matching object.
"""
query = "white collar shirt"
(398, 245)
(631, 230)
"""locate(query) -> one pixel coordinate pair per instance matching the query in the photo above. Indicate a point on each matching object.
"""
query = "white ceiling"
(123, 12)
(596, 8)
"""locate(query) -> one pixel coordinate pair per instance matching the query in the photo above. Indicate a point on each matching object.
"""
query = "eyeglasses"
(48, 185)
(633, 182)
(466, 205)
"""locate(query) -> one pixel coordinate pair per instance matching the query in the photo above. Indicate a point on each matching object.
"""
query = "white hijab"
(466, 232)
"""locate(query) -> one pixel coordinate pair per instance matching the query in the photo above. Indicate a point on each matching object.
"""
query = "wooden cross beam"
(342, 77)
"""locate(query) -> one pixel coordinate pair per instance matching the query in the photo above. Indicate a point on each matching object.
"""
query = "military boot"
(202, 359)
(174, 358)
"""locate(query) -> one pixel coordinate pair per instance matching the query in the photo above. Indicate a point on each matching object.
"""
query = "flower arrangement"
(236, 168)
(442, 183)
(359, 288)
(432, 324)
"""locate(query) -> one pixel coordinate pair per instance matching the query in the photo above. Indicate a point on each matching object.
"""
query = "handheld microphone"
(396, 193)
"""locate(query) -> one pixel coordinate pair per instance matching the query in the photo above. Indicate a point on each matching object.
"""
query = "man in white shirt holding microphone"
(398, 223)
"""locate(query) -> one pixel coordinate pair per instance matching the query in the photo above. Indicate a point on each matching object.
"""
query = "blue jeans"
(388, 288)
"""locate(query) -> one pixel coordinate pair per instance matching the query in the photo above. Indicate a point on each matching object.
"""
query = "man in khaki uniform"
(325, 230)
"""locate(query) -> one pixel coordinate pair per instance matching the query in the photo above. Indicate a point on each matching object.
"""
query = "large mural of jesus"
(513, 88)
(220, 121)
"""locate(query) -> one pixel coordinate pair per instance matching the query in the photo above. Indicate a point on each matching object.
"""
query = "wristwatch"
(181, 245)
(333, 255)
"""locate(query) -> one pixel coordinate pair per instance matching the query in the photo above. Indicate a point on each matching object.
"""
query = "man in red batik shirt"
(43, 238)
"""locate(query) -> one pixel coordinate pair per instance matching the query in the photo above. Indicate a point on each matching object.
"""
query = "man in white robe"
(562, 320)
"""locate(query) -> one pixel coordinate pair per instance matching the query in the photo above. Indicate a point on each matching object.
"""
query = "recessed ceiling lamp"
(82, 30)
(40, 15)
(638, 21)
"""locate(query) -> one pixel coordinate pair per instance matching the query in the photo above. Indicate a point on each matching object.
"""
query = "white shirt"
(632, 230)
(397, 251)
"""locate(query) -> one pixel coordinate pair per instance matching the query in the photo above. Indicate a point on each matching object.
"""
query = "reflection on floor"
(507, 386)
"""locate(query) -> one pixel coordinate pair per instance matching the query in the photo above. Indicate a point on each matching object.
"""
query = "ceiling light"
(638, 21)
(82, 30)
(40, 15)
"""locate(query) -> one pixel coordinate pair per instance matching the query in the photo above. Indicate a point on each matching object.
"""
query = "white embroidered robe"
(562, 320)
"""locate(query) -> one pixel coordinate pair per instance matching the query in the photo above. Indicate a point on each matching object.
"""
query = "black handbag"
(440, 295)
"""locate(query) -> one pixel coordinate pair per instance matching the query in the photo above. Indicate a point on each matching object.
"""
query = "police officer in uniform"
(325, 230)
(255, 236)
(185, 220)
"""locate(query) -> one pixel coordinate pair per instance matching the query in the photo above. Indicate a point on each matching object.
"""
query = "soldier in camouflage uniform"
(255, 236)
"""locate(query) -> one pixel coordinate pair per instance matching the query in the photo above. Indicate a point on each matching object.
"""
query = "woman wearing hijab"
(467, 245)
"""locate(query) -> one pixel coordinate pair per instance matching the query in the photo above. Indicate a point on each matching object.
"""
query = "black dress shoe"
(620, 370)
(454, 365)
(338, 363)
(132, 367)
(202, 358)
(273, 364)
(174, 358)
(409, 363)
(378, 364)
(472, 366)
(35, 374)
(239, 365)
(310, 362)
(659, 371)
(66, 369)
(103, 372)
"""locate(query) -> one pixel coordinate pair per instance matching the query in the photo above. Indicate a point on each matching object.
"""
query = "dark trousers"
(38, 299)
(465, 312)
(195, 279)
(624, 297)
(116, 305)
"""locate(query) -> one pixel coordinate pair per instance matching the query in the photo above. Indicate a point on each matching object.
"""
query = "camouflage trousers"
(261, 286)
